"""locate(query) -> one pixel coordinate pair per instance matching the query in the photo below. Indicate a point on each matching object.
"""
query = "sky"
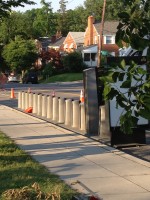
(72, 4)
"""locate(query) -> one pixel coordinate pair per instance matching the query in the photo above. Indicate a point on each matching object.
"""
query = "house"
(42, 43)
(91, 40)
(57, 44)
(73, 41)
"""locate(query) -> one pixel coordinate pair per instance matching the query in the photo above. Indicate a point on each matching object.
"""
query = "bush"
(73, 62)
(48, 70)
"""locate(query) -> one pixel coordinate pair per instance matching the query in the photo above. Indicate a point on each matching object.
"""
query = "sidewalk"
(87, 165)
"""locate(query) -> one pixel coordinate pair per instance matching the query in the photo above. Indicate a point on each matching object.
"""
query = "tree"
(52, 56)
(76, 20)
(62, 17)
(95, 7)
(134, 28)
(20, 54)
(6, 6)
(48, 18)
(13, 26)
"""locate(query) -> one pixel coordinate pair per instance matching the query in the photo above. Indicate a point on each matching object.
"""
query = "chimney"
(58, 34)
(53, 38)
(90, 28)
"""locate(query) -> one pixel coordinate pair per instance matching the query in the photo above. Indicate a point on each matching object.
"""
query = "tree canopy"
(6, 6)
(20, 54)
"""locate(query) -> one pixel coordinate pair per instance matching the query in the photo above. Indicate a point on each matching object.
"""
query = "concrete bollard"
(61, 112)
(55, 109)
(82, 121)
(76, 114)
(49, 107)
(39, 105)
(30, 99)
(68, 112)
(35, 104)
(26, 100)
(23, 100)
(20, 100)
(44, 106)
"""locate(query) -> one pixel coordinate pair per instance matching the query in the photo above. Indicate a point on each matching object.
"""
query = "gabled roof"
(58, 42)
(45, 41)
(78, 37)
(110, 27)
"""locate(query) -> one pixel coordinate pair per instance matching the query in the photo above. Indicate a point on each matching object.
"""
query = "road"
(64, 90)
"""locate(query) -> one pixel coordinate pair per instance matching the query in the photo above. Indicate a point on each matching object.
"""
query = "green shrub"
(48, 70)
(73, 62)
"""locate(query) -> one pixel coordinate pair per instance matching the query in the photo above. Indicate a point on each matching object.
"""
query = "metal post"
(76, 114)
(82, 121)
(44, 106)
(61, 117)
(55, 109)
(49, 107)
(68, 112)
(39, 105)
(35, 97)
(20, 100)
(30, 99)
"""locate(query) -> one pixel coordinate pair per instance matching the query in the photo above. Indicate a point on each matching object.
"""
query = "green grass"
(64, 78)
(18, 169)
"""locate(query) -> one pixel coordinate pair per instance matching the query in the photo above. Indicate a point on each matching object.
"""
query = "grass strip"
(18, 169)
(67, 77)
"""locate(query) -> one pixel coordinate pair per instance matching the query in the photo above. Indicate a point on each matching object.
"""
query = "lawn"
(64, 78)
(18, 169)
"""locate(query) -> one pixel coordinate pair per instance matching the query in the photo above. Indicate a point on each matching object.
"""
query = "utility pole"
(100, 39)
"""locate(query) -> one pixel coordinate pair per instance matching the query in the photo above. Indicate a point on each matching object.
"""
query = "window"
(109, 39)
(86, 56)
(93, 56)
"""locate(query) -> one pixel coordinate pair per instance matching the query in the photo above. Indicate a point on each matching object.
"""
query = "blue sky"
(55, 5)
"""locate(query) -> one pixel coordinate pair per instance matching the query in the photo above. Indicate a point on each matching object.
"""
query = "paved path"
(87, 165)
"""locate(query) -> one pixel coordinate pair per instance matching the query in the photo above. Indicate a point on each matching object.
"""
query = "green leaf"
(124, 15)
(141, 71)
(145, 113)
(121, 76)
(122, 65)
(115, 76)
(126, 84)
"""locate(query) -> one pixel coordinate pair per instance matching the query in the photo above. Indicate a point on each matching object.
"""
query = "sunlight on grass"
(64, 78)
(18, 169)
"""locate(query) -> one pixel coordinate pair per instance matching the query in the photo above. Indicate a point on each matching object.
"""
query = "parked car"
(13, 78)
(30, 77)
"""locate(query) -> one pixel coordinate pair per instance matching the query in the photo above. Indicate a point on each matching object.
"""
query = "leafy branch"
(130, 87)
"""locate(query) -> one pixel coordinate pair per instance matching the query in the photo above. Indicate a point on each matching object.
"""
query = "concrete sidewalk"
(87, 165)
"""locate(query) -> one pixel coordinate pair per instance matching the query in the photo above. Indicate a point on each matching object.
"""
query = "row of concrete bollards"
(59, 110)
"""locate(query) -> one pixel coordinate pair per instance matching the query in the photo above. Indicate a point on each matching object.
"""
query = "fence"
(67, 112)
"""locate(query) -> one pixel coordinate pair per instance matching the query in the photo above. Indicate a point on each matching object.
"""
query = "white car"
(12, 78)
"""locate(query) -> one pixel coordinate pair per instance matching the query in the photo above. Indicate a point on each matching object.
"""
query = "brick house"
(92, 35)
(73, 41)
(91, 38)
